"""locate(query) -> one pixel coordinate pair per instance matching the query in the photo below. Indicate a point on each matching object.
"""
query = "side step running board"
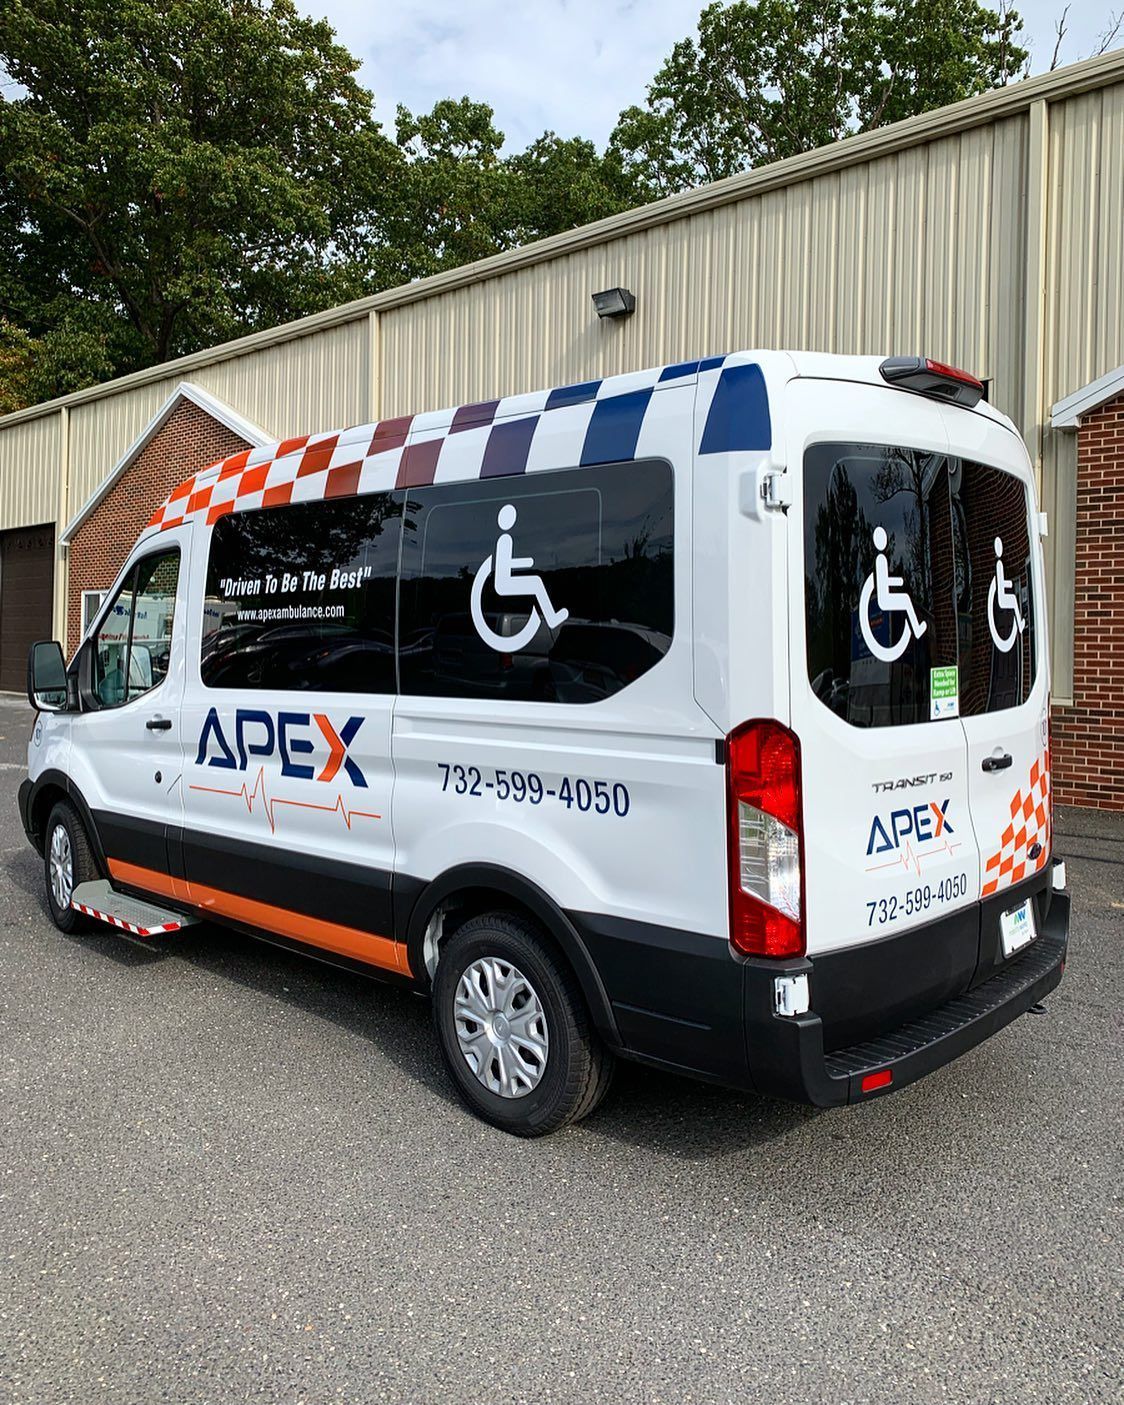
(133, 915)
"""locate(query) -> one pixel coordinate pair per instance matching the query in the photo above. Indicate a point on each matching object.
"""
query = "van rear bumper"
(787, 1055)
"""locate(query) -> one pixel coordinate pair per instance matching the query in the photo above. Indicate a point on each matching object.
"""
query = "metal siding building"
(989, 234)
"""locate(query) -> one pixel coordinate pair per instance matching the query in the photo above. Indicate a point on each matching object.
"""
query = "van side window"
(301, 596)
(133, 645)
(917, 585)
(544, 587)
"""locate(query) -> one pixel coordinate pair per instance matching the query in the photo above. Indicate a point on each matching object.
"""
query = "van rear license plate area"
(1017, 929)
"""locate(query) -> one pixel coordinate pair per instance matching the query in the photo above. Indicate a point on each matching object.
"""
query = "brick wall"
(187, 441)
(1088, 738)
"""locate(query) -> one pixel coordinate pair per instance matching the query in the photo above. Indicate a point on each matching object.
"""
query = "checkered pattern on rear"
(596, 422)
(1030, 825)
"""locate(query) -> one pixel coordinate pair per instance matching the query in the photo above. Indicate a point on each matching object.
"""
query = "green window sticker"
(944, 692)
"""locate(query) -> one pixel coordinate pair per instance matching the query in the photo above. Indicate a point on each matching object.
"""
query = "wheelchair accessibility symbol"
(1000, 592)
(503, 566)
(891, 601)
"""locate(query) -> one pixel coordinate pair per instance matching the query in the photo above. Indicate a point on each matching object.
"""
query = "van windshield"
(917, 585)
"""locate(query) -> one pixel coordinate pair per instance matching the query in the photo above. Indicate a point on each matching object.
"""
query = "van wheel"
(67, 861)
(514, 1030)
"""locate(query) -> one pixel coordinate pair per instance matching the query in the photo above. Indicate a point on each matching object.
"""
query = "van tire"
(578, 1067)
(83, 866)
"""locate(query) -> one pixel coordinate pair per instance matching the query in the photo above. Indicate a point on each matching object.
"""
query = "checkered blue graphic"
(592, 423)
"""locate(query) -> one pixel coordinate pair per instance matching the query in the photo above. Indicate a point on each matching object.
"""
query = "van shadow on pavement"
(644, 1108)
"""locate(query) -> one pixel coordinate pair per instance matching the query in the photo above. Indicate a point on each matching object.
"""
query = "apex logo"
(256, 734)
(922, 822)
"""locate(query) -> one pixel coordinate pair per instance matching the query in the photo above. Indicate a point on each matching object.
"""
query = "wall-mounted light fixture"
(614, 302)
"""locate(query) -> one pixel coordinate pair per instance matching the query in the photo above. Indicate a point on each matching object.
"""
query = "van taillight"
(766, 840)
(935, 378)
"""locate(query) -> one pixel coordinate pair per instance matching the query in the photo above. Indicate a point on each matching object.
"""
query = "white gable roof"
(1067, 413)
(237, 424)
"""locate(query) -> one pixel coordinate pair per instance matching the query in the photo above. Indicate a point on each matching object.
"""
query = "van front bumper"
(787, 1055)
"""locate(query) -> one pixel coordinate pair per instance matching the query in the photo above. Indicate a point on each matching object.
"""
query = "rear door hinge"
(762, 489)
(776, 490)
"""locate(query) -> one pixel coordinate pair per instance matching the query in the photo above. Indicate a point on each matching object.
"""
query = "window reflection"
(593, 547)
(301, 597)
(874, 665)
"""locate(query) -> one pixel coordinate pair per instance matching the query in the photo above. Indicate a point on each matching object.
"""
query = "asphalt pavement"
(228, 1174)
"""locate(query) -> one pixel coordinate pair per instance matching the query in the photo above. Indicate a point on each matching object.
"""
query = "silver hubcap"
(62, 867)
(501, 1027)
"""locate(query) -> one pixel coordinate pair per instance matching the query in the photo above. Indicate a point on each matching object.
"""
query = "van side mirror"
(47, 688)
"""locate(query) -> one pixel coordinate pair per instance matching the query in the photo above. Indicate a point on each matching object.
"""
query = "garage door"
(27, 574)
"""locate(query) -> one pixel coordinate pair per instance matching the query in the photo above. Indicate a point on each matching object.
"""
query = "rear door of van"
(917, 720)
(1004, 676)
(889, 847)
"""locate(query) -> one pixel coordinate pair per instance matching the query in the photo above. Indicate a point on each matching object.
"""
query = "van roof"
(866, 370)
(596, 421)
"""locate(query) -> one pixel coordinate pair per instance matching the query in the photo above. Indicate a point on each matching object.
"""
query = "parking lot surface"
(228, 1174)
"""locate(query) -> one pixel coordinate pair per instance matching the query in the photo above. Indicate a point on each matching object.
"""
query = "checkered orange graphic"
(1030, 826)
(597, 422)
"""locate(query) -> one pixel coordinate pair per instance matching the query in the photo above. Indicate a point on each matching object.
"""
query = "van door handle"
(164, 724)
(997, 763)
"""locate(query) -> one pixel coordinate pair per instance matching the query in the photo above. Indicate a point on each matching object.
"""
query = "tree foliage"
(767, 79)
(174, 173)
(453, 203)
(187, 169)
(462, 199)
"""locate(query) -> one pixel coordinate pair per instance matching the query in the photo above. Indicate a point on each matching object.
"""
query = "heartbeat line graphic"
(269, 805)
(911, 858)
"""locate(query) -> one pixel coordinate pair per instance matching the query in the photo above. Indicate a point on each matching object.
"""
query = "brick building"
(191, 428)
(1088, 734)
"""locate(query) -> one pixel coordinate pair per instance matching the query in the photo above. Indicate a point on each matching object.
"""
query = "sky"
(569, 65)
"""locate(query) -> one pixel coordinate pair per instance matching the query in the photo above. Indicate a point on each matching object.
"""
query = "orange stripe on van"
(330, 936)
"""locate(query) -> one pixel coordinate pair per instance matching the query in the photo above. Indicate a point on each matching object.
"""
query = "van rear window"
(917, 585)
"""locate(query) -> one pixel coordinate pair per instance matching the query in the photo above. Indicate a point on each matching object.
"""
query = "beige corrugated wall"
(1084, 313)
(29, 472)
(867, 259)
(989, 235)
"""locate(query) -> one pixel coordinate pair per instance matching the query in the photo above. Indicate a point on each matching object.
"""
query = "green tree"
(767, 79)
(175, 172)
(18, 352)
(453, 201)
(563, 183)
(461, 199)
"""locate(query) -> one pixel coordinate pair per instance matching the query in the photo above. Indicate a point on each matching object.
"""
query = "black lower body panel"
(861, 991)
(29, 829)
(676, 996)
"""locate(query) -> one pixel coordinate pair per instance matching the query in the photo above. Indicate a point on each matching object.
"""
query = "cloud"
(568, 65)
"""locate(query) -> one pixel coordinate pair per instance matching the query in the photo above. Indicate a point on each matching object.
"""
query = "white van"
(697, 716)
